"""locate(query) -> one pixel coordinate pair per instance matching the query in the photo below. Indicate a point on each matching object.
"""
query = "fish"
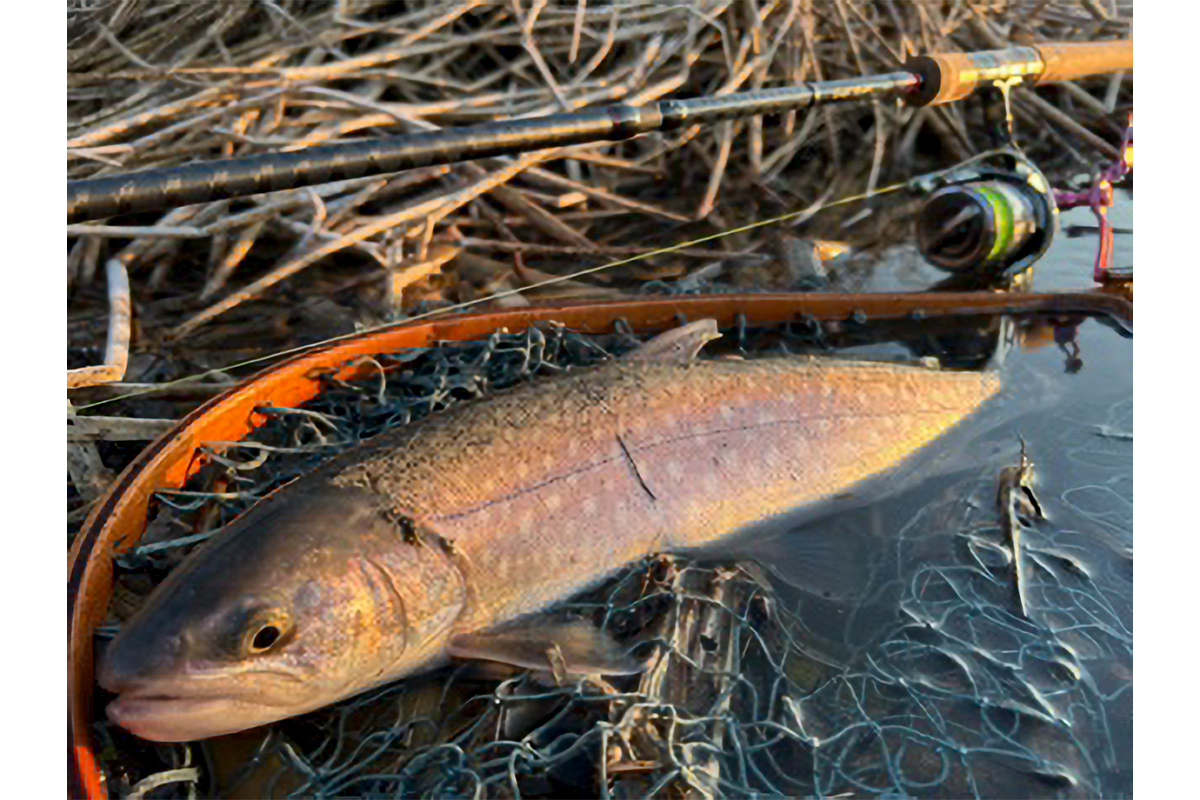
(450, 536)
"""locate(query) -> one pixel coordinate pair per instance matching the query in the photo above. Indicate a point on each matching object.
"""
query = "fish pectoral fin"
(678, 345)
(570, 648)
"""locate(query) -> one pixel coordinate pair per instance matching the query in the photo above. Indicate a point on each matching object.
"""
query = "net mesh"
(957, 694)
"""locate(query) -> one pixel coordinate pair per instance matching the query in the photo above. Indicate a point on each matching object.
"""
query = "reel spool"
(994, 217)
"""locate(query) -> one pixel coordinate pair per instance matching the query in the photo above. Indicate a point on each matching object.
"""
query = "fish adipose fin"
(678, 345)
(576, 648)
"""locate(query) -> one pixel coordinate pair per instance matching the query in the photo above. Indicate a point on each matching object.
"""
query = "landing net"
(956, 694)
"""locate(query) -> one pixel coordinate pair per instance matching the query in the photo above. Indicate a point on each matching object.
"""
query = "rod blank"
(165, 187)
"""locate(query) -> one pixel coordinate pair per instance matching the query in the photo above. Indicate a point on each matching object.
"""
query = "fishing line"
(802, 214)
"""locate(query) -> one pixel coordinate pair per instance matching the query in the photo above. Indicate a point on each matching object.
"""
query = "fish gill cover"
(956, 693)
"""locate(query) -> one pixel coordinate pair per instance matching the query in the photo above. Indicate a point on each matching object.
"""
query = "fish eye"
(264, 632)
(266, 636)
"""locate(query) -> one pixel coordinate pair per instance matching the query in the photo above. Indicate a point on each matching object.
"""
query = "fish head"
(312, 596)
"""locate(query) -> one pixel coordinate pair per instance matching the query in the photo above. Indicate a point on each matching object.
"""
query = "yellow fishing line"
(509, 293)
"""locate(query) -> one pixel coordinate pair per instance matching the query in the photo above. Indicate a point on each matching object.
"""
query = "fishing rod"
(925, 80)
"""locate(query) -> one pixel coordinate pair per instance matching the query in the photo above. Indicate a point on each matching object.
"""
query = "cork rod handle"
(1070, 60)
(946, 77)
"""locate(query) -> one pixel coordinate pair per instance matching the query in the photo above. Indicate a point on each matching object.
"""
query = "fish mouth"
(165, 711)
(174, 718)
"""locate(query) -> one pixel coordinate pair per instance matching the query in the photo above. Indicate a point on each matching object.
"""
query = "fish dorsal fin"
(678, 345)
(576, 647)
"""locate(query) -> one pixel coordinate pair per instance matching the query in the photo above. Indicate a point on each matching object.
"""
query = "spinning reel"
(992, 217)
(995, 215)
